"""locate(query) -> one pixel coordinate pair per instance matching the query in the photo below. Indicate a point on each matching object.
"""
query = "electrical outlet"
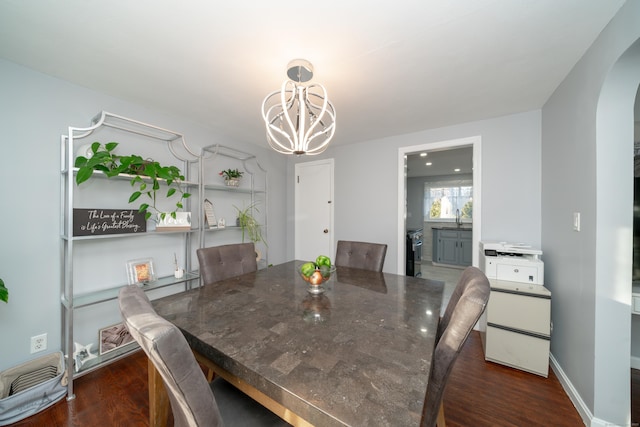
(38, 343)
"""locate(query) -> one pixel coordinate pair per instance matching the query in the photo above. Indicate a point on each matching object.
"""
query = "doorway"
(635, 276)
(403, 153)
(313, 199)
(439, 197)
(613, 233)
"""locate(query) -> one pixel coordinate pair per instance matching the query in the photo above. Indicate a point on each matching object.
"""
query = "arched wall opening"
(614, 232)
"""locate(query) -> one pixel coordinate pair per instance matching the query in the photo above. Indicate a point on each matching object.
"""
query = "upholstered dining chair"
(464, 309)
(364, 255)
(225, 261)
(190, 395)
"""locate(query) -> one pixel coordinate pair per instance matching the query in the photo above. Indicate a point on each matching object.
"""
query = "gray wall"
(587, 134)
(35, 110)
(366, 176)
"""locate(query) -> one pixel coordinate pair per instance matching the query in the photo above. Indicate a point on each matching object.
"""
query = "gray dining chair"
(364, 255)
(225, 261)
(191, 397)
(464, 309)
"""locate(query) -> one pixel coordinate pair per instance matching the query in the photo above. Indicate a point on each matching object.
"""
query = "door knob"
(326, 231)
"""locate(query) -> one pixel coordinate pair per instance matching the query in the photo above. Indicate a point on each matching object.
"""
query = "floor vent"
(34, 378)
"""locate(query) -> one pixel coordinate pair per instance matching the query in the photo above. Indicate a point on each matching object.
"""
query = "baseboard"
(574, 396)
(587, 417)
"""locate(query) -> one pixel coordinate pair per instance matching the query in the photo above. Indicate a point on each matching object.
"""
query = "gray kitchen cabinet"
(452, 246)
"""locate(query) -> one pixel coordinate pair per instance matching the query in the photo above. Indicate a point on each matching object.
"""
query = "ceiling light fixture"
(299, 117)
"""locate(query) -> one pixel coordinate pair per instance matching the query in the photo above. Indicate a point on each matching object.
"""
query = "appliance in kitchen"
(516, 325)
(413, 252)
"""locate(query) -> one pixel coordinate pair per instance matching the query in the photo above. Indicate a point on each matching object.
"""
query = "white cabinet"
(94, 265)
(517, 329)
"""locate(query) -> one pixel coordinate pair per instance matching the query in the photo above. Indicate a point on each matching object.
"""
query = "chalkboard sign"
(95, 222)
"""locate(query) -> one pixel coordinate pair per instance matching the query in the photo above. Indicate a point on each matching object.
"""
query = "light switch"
(576, 221)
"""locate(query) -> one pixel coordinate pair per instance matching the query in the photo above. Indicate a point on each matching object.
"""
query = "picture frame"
(182, 222)
(141, 271)
(209, 216)
(114, 337)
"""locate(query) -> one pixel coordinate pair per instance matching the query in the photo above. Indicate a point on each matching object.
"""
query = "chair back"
(190, 396)
(364, 255)
(468, 274)
(221, 262)
(467, 304)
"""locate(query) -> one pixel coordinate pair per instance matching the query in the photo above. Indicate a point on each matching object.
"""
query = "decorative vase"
(232, 182)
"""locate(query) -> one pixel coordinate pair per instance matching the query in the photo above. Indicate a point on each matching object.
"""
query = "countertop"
(448, 227)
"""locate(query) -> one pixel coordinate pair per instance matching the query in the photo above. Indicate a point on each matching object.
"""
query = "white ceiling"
(442, 162)
(389, 67)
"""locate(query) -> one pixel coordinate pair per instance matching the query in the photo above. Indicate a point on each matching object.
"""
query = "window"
(442, 199)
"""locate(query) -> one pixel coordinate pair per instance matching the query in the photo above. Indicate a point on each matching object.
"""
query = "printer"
(514, 262)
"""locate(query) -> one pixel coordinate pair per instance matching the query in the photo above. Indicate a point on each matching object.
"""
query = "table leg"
(275, 407)
(158, 398)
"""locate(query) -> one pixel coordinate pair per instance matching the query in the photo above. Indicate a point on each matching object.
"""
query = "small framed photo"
(114, 337)
(140, 271)
(209, 216)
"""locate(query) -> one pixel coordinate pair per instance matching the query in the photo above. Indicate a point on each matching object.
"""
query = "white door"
(314, 210)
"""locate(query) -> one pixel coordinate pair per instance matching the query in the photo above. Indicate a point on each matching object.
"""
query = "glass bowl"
(316, 279)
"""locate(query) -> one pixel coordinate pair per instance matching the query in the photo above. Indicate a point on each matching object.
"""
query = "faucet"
(458, 218)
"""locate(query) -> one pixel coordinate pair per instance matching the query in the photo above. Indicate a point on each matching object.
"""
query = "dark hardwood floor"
(635, 398)
(479, 394)
(482, 393)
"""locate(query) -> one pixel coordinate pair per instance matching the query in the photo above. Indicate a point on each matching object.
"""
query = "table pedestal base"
(159, 400)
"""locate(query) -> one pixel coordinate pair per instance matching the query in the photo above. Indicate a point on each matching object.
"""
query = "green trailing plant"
(147, 176)
(249, 224)
(4, 292)
(231, 174)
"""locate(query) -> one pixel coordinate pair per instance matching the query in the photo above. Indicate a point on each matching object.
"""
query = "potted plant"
(249, 225)
(231, 177)
(4, 292)
(104, 160)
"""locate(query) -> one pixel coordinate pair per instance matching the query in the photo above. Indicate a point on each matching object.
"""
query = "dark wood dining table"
(358, 354)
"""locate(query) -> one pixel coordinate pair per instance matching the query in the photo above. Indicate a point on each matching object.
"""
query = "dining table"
(357, 354)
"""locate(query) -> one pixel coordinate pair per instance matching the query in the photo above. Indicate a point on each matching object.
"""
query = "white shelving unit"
(252, 192)
(94, 267)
